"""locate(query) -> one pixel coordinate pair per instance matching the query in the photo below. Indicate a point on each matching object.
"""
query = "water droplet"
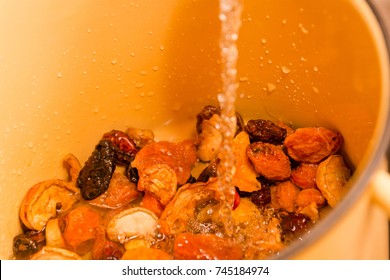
(285, 70)
(315, 69)
(155, 68)
(162, 48)
(263, 41)
(59, 75)
(113, 61)
(243, 79)
(143, 73)
(137, 107)
(303, 29)
(316, 90)
(271, 87)
(139, 85)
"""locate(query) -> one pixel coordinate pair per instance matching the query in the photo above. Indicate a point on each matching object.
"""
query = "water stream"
(230, 18)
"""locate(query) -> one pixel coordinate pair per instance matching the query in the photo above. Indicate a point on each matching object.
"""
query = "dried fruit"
(269, 160)
(189, 246)
(332, 177)
(312, 144)
(265, 131)
(46, 200)
(27, 244)
(261, 197)
(294, 225)
(304, 175)
(125, 148)
(95, 176)
(245, 177)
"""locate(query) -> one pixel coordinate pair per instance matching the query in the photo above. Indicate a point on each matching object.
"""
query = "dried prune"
(27, 244)
(125, 147)
(261, 197)
(293, 226)
(95, 176)
(265, 131)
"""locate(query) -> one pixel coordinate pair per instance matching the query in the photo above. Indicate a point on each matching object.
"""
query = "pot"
(70, 71)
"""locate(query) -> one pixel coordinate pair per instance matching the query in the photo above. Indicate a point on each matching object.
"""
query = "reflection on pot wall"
(73, 70)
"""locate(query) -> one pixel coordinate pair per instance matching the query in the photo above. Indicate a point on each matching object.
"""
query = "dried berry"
(265, 131)
(293, 226)
(27, 244)
(125, 147)
(261, 197)
(95, 176)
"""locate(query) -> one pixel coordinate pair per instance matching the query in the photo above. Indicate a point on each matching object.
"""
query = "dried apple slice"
(46, 200)
(132, 223)
(53, 234)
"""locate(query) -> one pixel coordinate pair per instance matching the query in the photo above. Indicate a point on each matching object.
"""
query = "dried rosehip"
(125, 147)
(293, 226)
(265, 131)
(261, 197)
(96, 174)
(27, 244)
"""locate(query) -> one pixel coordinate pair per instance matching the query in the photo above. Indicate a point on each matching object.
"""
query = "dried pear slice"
(45, 200)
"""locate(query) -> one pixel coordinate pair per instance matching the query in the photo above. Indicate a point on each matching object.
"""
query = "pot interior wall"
(72, 70)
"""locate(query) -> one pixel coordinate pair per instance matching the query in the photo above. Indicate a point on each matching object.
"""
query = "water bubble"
(59, 75)
(303, 29)
(114, 61)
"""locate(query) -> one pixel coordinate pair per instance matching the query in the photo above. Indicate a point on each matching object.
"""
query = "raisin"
(265, 131)
(209, 171)
(27, 244)
(125, 148)
(96, 174)
(293, 226)
(132, 174)
(261, 197)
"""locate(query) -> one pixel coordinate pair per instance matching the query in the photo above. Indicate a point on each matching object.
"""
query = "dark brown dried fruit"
(261, 197)
(95, 176)
(132, 174)
(125, 147)
(293, 226)
(209, 171)
(27, 244)
(269, 160)
(265, 131)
